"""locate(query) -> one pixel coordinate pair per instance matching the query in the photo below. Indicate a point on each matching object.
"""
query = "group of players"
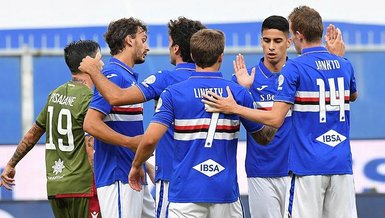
(296, 113)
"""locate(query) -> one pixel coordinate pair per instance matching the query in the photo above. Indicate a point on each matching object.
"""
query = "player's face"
(172, 51)
(141, 47)
(274, 44)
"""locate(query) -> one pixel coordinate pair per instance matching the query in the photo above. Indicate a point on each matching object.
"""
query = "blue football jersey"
(113, 162)
(270, 160)
(151, 88)
(318, 84)
(205, 168)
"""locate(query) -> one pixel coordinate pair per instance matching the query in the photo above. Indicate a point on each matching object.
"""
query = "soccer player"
(127, 40)
(180, 31)
(318, 86)
(204, 181)
(266, 166)
(70, 188)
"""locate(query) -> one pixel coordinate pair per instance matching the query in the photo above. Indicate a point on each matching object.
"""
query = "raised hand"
(243, 77)
(7, 177)
(91, 65)
(216, 103)
(334, 41)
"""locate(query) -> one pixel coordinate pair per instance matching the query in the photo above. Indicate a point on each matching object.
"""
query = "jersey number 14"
(335, 97)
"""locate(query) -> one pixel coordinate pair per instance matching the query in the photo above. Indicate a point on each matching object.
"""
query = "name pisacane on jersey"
(209, 168)
(331, 138)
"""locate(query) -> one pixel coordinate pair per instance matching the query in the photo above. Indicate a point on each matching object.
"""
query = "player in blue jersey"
(318, 86)
(180, 31)
(127, 40)
(204, 181)
(267, 166)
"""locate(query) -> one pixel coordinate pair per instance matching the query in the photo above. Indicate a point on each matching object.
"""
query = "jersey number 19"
(65, 132)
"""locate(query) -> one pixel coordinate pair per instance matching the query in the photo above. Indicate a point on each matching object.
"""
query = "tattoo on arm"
(90, 150)
(265, 136)
(26, 144)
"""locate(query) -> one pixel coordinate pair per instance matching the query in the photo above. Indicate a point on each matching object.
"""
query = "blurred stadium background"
(32, 64)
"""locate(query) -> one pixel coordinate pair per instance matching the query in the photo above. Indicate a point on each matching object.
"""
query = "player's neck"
(83, 78)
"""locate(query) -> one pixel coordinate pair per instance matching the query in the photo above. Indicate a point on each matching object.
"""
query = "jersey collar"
(125, 67)
(266, 72)
(313, 50)
(185, 66)
(206, 74)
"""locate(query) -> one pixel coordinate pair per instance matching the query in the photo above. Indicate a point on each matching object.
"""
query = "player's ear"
(129, 40)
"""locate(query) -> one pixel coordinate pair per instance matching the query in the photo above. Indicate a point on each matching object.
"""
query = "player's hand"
(7, 177)
(243, 77)
(334, 42)
(92, 65)
(136, 178)
(216, 103)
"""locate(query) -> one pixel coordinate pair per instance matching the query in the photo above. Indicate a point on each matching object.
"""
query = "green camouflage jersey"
(69, 173)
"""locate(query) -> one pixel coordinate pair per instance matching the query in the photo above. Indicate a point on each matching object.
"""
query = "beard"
(139, 61)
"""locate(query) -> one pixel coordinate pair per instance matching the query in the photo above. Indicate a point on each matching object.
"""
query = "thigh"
(267, 196)
(306, 196)
(161, 199)
(109, 200)
(188, 210)
(70, 207)
(233, 210)
(131, 201)
(148, 209)
(340, 198)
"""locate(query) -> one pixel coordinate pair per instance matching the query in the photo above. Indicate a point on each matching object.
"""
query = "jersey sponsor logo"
(331, 138)
(262, 87)
(111, 75)
(209, 168)
(94, 214)
(58, 166)
(57, 169)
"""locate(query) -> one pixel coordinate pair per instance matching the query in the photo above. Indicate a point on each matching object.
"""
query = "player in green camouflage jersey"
(69, 172)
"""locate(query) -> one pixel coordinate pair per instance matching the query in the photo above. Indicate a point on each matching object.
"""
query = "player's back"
(202, 161)
(321, 108)
(67, 166)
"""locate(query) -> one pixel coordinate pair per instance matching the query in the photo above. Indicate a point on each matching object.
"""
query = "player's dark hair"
(206, 46)
(180, 31)
(77, 50)
(308, 22)
(118, 31)
(276, 22)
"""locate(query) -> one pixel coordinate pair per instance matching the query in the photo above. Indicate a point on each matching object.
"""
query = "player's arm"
(150, 169)
(25, 145)
(94, 125)
(89, 140)
(273, 118)
(110, 91)
(146, 148)
(265, 135)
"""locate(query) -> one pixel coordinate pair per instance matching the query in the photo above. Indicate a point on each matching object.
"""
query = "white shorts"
(267, 196)
(161, 198)
(328, 196)
(205, 210)
(119, 200)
